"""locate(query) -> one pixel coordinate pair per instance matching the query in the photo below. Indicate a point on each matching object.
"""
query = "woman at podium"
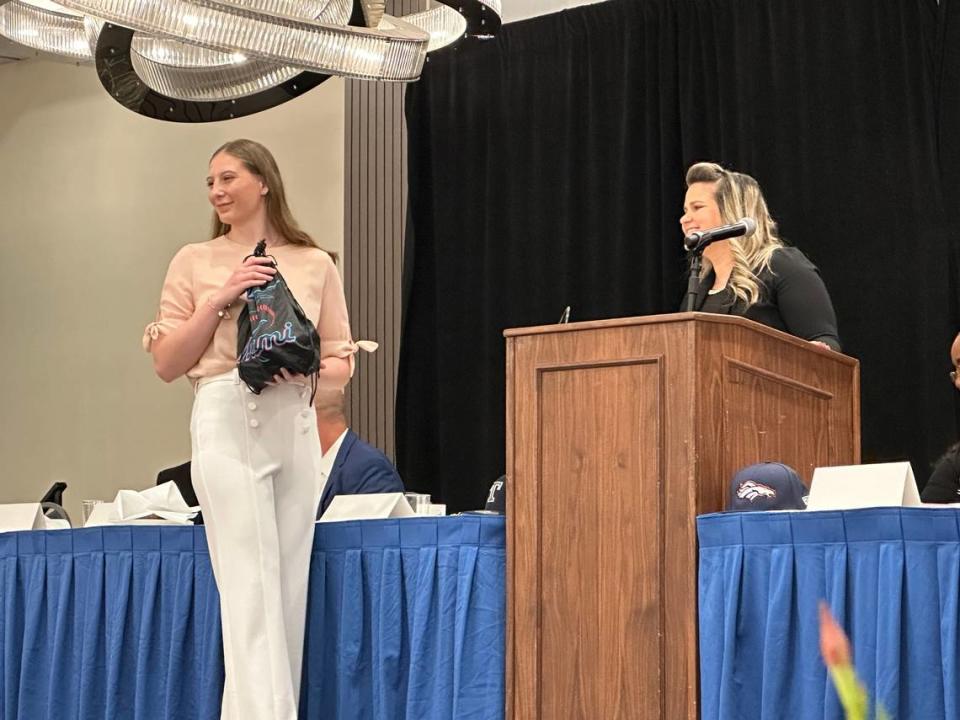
(756, 275)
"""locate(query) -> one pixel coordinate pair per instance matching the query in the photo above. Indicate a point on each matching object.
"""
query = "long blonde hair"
(260, 161)
(738, 195)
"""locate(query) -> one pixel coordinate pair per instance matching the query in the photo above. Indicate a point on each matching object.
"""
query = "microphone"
(699, 240)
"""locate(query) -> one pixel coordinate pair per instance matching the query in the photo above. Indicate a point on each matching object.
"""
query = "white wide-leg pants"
(256, 473)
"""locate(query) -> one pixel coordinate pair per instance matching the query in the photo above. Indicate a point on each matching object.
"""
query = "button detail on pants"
(252, 405)
(254, 423)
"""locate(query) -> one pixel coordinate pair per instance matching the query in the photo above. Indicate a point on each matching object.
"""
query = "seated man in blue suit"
(349, 465)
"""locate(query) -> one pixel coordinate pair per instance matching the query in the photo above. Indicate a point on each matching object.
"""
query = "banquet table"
(406, 621)
(891, 576)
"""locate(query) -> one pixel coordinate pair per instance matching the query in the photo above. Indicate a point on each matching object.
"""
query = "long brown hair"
(260, 161)
(738, 195)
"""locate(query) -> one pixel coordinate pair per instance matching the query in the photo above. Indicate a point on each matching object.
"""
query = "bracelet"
(221, 312)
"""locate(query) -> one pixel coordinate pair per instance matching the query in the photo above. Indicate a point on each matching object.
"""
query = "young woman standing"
(255, 457)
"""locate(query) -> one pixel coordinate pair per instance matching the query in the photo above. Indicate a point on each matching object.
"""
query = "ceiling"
(11, 51)
(513, 10)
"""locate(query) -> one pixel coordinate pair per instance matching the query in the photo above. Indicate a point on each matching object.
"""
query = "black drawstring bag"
(274, 333)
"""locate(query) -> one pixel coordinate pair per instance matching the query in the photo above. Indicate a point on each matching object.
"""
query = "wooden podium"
(619, 433)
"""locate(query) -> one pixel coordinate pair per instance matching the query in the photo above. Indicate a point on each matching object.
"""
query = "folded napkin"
(162, 501)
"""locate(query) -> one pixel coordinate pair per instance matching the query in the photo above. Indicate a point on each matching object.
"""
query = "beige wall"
(94, 201)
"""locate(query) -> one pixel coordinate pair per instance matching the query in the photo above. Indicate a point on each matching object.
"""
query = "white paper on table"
(162, 502)
(55, 523)
(100, 515)
(847, 487)
(20, 516)
(372, 506)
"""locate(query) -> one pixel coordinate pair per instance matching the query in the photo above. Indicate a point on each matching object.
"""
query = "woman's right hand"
(253, 272)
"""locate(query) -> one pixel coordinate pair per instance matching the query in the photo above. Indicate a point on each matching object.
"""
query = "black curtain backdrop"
(546, 169)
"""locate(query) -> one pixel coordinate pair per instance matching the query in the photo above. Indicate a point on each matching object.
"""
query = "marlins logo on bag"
(273, 334)
(263, 337)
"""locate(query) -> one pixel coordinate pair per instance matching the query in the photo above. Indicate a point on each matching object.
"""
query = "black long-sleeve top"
(793, 298)
(944, 483)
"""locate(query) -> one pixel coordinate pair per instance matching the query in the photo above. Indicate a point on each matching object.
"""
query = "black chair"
(51, 504)
(181, 476)
(55, 494)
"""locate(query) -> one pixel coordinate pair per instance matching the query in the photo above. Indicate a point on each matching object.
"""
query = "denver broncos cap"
(766, 486)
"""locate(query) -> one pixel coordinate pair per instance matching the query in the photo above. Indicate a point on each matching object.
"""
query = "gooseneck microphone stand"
(697, 242)
(693, 281)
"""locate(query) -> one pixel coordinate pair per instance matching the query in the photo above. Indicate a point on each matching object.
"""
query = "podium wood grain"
(619, 432)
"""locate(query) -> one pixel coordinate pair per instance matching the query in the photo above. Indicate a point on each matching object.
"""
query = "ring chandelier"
(208, 60)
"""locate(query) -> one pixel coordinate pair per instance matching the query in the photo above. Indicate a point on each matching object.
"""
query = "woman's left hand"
(821, 344)
(286, 376)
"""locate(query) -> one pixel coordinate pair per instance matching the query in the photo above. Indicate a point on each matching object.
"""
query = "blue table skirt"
(891, 577)
(406, 621)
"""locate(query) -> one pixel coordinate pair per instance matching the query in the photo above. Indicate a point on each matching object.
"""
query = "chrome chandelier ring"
(395, 51)
(208, 60)
(169, 67)
(63, 33)
(119, 77)
(222, 77)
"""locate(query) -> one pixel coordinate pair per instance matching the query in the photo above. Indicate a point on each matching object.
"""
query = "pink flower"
(834, 645)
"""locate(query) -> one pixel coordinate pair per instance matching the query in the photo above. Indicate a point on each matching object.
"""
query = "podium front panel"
(599, 432)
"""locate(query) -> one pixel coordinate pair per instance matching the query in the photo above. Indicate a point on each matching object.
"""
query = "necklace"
(270, 243)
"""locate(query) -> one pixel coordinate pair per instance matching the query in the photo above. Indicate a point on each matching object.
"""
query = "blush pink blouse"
(199, 270)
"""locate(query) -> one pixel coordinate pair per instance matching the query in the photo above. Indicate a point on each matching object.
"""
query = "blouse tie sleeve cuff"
(154, 330)
(346, 350)
(366, 345)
